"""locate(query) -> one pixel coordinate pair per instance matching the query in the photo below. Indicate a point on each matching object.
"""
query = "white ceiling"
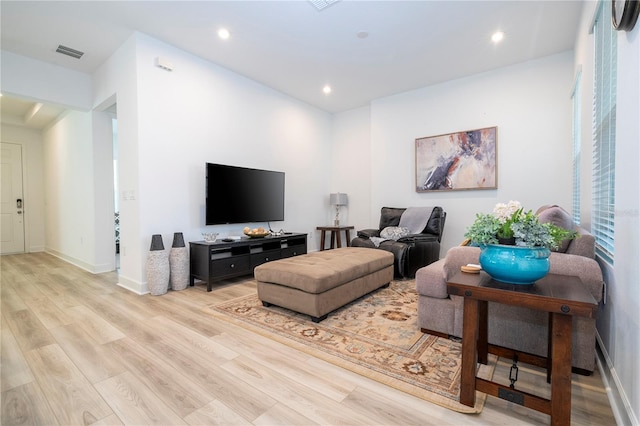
(295, 49)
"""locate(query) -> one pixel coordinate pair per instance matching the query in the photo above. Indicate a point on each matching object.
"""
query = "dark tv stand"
(216, 261)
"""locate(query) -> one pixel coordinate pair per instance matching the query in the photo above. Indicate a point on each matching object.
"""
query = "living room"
(171, 123)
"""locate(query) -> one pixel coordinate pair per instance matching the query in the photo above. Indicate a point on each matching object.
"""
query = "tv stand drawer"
(266, 256)
(294, 251)
(231, 266)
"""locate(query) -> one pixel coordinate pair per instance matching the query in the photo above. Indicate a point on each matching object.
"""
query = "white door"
(11, 199)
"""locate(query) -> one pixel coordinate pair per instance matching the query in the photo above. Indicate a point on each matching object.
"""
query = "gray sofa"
(521, 329)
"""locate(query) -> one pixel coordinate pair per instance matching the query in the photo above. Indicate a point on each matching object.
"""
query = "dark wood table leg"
(322, 236)
(348, 235)
(469, 352)
(483, 333)
(339, 242)
(561, 364)
(549, 345)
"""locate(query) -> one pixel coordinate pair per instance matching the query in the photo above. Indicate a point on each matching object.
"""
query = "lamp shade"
(338, 199)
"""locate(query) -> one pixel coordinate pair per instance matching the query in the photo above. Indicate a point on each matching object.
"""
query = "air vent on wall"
(69, 51)
(322, 4)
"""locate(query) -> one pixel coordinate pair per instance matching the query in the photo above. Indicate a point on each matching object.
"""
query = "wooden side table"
(335, 235)
(561, 296)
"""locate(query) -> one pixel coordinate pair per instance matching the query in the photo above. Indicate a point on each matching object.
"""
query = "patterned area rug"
(376, 336)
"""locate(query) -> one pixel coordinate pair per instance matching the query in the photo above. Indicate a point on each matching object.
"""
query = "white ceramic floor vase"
(179, 263)
(157, 267)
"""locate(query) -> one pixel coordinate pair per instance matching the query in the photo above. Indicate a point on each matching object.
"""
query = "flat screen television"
(243, 195)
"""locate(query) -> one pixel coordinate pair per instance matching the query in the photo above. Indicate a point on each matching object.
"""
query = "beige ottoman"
(323, 281)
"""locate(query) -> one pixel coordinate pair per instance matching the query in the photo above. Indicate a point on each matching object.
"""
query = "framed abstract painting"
(457, 161)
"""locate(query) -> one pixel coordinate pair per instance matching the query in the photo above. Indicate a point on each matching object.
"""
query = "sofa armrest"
(368, 233)
(583, 245)
(459, 256)
(587, 269)
(430, 281)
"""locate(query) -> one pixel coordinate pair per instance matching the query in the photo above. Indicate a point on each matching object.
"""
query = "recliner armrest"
(418, 238)
(368, 233)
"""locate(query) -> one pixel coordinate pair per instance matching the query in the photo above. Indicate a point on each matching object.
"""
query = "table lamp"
(338, 199)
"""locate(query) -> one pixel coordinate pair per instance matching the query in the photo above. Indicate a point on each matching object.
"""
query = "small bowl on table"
(256, 233)
(210, 237)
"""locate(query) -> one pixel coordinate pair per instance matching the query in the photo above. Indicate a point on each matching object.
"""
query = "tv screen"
(243, 195)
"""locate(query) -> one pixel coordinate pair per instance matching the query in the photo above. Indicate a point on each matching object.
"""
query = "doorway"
(116, 191)
(11, 199)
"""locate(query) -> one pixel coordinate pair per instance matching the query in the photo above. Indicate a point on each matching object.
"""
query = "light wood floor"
(78, 349)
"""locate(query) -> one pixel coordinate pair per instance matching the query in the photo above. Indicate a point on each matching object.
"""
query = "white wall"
(351, 166)
(199, 113)
(116, 82)
(528, 102)
(32, 165)
(623, 332)
(30, 78)
(618, 320)
(72, 165)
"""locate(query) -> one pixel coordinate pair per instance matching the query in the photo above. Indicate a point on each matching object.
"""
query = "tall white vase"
(179, 263)
(157, 267)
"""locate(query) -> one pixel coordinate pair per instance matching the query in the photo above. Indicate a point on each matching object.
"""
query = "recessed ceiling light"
(326, 89)
(322, 4)
(362, 34)
(224, 33)
(497, 36)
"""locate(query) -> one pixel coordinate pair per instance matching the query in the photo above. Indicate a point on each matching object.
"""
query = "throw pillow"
(394, 232)
(560, 217)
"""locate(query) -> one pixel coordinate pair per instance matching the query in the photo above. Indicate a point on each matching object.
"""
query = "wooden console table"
(561, 296)
(335, 235)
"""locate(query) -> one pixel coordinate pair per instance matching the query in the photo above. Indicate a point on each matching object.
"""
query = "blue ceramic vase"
(514, 264)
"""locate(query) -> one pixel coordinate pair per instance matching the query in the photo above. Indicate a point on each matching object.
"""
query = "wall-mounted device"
(164, 64)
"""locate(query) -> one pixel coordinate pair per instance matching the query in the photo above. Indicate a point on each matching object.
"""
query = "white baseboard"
(132, 285)
(618, 399)
(94, 269)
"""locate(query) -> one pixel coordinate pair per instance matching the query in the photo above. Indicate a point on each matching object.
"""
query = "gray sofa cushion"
(559, 217)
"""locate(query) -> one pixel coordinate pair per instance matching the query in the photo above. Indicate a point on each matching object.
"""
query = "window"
(604, 132)
(577, 135)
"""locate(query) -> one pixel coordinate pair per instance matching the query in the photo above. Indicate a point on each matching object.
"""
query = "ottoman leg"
(266, 304)
(318, 319)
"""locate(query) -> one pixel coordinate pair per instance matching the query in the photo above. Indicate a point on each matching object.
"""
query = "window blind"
(577, 136)
(604, 132)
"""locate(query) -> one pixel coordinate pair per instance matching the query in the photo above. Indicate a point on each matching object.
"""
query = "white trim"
(595, 16)
(132, 285)
(576, 79)
(94, 269)
(618, 399)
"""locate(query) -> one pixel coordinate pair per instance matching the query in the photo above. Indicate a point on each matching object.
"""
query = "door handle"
(19, 203)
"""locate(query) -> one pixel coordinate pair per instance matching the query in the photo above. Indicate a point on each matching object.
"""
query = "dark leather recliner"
(411, 252)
